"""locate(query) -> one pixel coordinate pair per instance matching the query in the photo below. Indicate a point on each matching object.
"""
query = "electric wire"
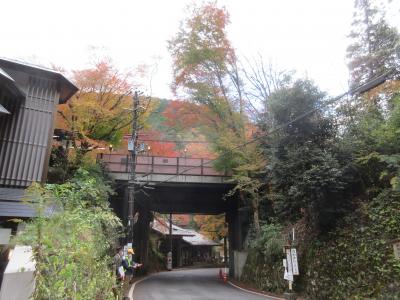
(298, 118)
(253, 140)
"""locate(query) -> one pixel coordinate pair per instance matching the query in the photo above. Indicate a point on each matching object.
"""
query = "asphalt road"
(192, 284)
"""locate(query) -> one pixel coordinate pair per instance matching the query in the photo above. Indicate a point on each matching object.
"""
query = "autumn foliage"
(214, 227)
(96, 115)
(174, 129)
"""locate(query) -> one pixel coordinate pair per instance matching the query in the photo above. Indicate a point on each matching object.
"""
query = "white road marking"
(130, 295)
(255, 293)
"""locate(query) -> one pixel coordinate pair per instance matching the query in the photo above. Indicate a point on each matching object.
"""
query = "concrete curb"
(255, 293)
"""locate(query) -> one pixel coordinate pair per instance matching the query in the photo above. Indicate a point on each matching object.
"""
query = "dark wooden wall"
(26, 134)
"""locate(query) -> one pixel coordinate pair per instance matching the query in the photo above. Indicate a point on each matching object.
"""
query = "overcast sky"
(308, 35)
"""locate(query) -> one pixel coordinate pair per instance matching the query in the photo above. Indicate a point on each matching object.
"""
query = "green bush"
(72, 246)
(270, 243)
(156, 258)
(263, 267)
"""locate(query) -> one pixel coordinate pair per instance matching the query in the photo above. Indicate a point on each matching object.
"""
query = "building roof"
(8, 83)
(11, 204)
(190, 236)
(162, 226)
(199, 240)
(67, 88)
(3, 111)
(15, 203)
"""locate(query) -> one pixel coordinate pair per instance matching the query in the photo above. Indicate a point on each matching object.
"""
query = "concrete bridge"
(176, 185)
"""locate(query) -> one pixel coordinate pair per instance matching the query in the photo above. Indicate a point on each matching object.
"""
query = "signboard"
(5, 234)
(130, 145)
(287, 276)
(295, 265)
(290, 264)
(289, 261)
(126, 247)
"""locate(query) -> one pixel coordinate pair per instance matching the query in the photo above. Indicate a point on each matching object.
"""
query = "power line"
(358, 89)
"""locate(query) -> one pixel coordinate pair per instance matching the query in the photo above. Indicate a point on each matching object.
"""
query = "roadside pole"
(225, 255)
(169, 255)
(290, 265)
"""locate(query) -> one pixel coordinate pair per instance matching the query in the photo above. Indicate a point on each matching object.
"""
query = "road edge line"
(130, 294)
(255, 293)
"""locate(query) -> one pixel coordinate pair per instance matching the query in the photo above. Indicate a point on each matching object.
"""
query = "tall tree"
(99, 113)
(375, 47)
(206, 70)
(203, 60)
(261, 80)
(305, 177)
(96, 113)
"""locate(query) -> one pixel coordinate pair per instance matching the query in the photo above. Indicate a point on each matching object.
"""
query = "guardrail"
(121, 163)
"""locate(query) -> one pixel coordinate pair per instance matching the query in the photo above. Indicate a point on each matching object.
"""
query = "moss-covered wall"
(356, 261)
(262, 274)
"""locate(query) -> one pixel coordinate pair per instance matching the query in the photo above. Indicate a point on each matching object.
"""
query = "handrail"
(159, 165)
(163, 156)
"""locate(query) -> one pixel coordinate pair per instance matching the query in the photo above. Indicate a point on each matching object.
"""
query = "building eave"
(66, 88)
(3, 111)
(9, 84)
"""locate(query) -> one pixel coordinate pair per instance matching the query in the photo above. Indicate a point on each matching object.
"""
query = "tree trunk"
(256, 218)
(254, 207)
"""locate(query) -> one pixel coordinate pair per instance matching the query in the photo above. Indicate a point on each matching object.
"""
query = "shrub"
(72, 245)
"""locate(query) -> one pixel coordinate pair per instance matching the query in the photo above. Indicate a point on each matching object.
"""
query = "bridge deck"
(159, 168)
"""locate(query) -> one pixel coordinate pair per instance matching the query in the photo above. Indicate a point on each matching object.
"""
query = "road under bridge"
(176, 185)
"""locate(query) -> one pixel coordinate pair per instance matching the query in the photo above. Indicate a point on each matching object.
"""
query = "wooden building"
(29, 96)
(188, 246)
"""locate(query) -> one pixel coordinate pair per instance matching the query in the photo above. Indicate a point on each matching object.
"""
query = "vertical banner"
(286, 275)
(289, 265)
(295, 265)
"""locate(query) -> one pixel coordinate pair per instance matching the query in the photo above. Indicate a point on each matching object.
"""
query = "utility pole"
(169, 255)
(132, 176)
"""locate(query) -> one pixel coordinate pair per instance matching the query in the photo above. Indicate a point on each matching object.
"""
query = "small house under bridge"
(188, 246)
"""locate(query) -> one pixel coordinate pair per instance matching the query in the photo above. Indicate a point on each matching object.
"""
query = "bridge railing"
(120, 163)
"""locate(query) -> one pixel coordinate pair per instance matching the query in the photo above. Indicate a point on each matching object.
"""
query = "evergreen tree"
(306, 178)
(375, 47)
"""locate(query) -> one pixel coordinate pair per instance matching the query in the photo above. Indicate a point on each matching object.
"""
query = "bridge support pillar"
(235, 236)
(142, 234)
